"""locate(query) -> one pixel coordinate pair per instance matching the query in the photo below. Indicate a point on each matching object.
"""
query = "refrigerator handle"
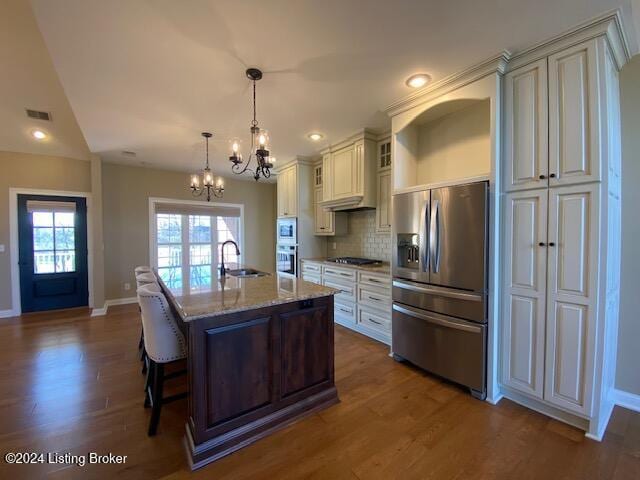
(434, 236)
(423, 257)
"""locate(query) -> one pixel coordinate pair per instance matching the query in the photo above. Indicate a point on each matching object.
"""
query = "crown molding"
(297, 160)
(608, 24)
(362, 134)
(495, 64)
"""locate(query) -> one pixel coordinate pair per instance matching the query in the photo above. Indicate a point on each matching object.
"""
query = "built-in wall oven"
(287, 260)
(287, 231)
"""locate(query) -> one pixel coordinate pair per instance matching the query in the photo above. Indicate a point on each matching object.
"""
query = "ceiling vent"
(38, 115)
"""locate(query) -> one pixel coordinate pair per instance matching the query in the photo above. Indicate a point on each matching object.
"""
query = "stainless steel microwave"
(287, 231)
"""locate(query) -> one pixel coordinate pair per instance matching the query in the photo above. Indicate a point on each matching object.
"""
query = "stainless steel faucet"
(223, 270)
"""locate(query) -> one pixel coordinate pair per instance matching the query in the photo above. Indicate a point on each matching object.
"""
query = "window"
(54, 242)
(189, 243)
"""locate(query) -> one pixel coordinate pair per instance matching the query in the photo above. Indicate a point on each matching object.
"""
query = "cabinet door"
(342, 175)
(323, 218)
(525, 266)
(526, 122)
(383, 210)
(281, 186)
(571, 294)
(292, 192)
(573, 116)
(384, 155)
(327, 175)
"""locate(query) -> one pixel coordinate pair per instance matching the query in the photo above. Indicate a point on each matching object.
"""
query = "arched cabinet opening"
(448, 142)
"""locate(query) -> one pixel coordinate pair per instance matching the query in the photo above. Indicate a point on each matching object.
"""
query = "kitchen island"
(260, 356)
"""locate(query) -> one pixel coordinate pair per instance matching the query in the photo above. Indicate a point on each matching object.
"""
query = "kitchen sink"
(246, 272)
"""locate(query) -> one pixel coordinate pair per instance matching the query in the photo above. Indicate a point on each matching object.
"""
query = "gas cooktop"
(353, 260)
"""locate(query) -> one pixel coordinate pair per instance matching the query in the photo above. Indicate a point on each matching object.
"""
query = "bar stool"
(141, 269)
(164, 344)
(144, 278)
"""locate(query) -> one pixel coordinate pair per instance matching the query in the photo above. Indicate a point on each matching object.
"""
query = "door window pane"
(199, 229)
(169, 255)
(43, 219)
(172, 277)
(42, 238)
(200, 276)
(43, 262)
(65, 261)
(54, 247)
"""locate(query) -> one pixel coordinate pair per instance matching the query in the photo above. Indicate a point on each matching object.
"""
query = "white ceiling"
(150, 75)
(29, 80)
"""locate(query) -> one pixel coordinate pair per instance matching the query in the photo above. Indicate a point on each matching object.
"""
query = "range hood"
(351, 203)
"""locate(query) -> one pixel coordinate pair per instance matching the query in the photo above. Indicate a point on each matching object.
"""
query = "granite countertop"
(383, 268)
(236, 294)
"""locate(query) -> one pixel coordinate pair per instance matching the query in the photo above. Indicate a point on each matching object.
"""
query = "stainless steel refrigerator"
(439, 262)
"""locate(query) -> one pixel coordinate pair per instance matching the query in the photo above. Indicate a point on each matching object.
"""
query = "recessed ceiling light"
(39, 134)
(418, 80)
(315, 136)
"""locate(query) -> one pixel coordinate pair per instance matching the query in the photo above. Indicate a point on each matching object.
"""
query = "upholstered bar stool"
(164, 344)
(141, 269)
(144, 278)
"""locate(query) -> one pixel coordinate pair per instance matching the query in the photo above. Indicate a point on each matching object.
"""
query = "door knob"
(542, 244)
(552, 175)
(551, 244)
(542, 177)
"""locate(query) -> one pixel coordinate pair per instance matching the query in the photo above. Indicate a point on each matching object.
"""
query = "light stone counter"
(383, 268)
(239, 294)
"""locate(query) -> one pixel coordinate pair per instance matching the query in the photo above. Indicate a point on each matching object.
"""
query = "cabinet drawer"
(309, 277)
(374, 320)
(311, 268)
(374, 280)
(340, 273)
(347, 291)
(346, 312)
(377, 298)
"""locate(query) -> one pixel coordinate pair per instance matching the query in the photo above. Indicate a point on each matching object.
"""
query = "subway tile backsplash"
(361, 239)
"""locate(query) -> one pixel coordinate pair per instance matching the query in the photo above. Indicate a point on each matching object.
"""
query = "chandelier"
(216, 189)
(259, 148)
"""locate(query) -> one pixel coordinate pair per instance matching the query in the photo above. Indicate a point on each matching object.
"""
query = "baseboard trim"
(8, 313)
(97, 312)
(627, 400)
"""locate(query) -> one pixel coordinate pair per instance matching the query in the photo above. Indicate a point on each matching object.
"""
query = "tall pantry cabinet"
(561, 226)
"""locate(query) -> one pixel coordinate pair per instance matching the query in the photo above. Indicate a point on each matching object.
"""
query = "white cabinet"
(552, 127)
(550, 272)
(574, 115)
(524, 306)
(326, 222)
(571, 296)
(287, 192)
(349, 174)
(526, 133)
(383, 208)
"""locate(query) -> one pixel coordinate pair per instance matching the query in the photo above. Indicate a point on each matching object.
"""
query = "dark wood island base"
(256, 371)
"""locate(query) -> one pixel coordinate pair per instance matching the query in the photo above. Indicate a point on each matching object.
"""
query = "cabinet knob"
(551, 244)
(542, 177)
(542, 244)
(552, 175)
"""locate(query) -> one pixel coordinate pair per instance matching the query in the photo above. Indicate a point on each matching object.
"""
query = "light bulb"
(208, 178)
(272, 159)
(418, 80)
(39, 134)
(235, 147)
(195, 180)
(262, 139)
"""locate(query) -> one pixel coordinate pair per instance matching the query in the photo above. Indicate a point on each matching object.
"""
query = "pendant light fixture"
(259, 148)
(209, 185)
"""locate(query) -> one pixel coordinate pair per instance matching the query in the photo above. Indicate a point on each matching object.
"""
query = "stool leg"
(148, 385)
(156, 396)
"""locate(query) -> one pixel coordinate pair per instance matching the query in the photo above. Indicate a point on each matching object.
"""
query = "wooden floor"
(70, 383)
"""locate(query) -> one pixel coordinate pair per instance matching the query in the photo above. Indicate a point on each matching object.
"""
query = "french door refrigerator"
(439, 265)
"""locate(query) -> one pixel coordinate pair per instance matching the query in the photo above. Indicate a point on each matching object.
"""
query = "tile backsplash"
(361, 239)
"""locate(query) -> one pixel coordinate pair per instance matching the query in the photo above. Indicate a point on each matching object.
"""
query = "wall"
(361, 239)
(628, 373)
(24, 170)
(126, 192)
(455, 146)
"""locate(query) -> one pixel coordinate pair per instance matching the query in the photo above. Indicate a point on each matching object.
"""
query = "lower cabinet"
(364, 301)
(551, 290)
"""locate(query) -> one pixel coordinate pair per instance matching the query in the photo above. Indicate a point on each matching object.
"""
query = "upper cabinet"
(383, 208)
(288, 192)
(384, 154)
(526, 151)
(551, 119)
(349, 174)
(573, 116)
(326, 222)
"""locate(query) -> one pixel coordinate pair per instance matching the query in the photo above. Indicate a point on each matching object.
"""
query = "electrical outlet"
(333, 245)
(127, 286)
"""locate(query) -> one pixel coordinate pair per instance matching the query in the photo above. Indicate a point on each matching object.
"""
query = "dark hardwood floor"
(71, 383)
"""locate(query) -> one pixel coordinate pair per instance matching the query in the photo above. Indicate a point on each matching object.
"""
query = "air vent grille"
(38, 115)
